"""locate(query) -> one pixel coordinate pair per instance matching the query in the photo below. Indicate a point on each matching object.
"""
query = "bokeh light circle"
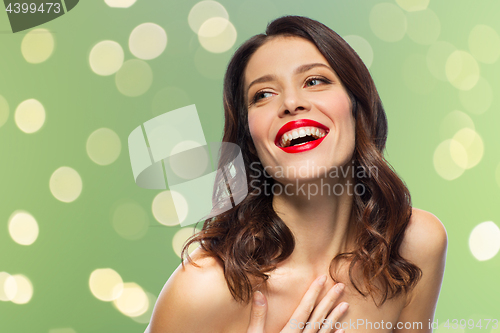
(388, 22)
(119, 3)
(133, 301)
(146, 316)
(203, 11)
(462, 70)
(362, 48)
(29, 116)
(37, 46)
(23, 228)
(65, 184)
(106, 57)
(217, 35)
(437, 55)
(484, 44)
(443, 162)
(484, 241)
(181, 237)
(105, 284)
(147, 41)
(453, 122)
(4, 111)
(458, 154)
(478, 99)
(9, 290)
(423, 27)
(134, 78)
(24, 287)
(165, 211)
(413, 5)
(471, 141)
(103, 146)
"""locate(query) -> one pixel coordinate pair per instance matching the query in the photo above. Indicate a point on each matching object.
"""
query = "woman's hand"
(303, 314)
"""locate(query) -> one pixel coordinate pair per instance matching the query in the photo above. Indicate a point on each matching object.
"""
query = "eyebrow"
(298, 70)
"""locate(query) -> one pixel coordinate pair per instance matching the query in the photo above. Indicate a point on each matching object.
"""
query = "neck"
(319, 220)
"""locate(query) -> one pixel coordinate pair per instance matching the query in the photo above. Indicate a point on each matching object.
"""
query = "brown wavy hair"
(250, 239)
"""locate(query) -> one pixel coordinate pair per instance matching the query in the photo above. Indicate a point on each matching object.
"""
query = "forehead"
(281, 53)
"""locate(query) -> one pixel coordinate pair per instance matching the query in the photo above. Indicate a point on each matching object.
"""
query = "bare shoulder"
(425, 236)
(424, 244)
(195, 299)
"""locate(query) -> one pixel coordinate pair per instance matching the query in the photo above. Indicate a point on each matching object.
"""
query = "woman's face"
(288, 79)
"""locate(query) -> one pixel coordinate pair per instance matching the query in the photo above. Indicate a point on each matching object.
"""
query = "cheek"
(341, 107)
(338, 107)
(252, 126)
(257, 126)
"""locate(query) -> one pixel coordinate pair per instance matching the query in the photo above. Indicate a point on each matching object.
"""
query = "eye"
(257, 96)
(316, 79)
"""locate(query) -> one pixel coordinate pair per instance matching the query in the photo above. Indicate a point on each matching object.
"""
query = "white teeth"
(301, 132)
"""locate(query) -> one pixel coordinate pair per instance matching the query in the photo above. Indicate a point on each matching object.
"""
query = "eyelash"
(255, 99)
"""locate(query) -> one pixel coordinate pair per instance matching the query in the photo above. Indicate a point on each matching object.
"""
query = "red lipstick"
(297, 124)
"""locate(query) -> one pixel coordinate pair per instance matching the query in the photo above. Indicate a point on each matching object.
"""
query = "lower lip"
(298, 149)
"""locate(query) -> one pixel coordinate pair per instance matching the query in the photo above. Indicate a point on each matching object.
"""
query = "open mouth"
(300, 132)
(300, 136)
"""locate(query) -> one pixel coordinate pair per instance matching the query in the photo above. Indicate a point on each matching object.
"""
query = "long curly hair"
(250, 239)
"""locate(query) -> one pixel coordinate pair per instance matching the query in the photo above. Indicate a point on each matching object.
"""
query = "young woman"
(322, 200)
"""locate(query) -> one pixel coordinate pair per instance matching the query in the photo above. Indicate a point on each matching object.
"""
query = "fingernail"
(339, 287)
(258, 299)
(344, 307)
(322, 280)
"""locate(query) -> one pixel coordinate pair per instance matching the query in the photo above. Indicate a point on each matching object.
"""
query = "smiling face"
(288, 79)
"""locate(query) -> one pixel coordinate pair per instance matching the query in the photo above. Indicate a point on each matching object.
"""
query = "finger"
(334, 317)
(306, 306)
(325, 306)
(258, 313)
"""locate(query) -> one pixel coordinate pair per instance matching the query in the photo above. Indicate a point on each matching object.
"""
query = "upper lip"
(296, 124)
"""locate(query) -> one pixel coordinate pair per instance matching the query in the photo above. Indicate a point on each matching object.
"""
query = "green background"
(78, 237)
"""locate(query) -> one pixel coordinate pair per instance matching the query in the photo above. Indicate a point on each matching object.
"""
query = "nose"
(294, 101)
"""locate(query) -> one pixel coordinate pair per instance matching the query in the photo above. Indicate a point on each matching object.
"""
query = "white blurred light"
(37, 46)
(30, 116)
(166, 212)
(23, 228)
(65, 184)
(106, 57)
(103, 146)
(106, 284)
(119, 3)
(147, 41)
(484, 241)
